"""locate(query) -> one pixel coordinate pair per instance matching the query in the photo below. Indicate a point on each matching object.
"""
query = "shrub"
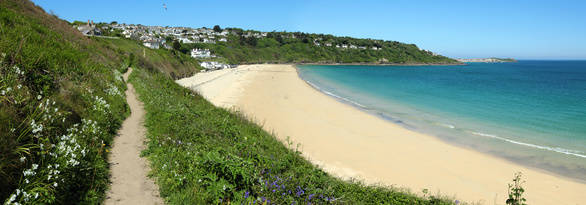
(516, 191)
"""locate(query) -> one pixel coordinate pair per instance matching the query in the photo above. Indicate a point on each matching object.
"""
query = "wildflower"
(22, 159)
(26, 181)
(35, 166)
(310, 196)
(39, 97)
(55, 184)
(12, 198)
(224, 187)
(19, 86)
(246, 195)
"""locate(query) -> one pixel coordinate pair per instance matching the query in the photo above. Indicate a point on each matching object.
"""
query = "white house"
(212, 65)
(153, 43)
(184, 40)
(201, 53)
(223, 40)
(206, 40)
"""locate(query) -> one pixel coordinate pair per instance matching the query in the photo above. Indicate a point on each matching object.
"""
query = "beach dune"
(350, 143)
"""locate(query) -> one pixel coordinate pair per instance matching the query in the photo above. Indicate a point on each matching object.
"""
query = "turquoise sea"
(529, 112)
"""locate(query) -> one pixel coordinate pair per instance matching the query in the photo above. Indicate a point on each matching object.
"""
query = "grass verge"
(203, 154)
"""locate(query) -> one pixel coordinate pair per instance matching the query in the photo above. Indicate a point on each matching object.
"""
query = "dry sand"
(348, 142)
(130, 184)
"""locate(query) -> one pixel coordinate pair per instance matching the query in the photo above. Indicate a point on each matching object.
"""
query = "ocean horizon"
(532, 112)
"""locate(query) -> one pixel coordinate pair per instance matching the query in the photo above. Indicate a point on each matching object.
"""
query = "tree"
(176, 45)
(114, 22)
(168, 39)
(217, 29)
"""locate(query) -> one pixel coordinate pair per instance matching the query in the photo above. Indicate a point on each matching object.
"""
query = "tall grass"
(61, 103)
(201, 154)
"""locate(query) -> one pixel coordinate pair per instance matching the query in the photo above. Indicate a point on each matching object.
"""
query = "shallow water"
(529, 112)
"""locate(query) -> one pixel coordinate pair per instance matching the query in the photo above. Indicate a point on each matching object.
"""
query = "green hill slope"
(62, 101)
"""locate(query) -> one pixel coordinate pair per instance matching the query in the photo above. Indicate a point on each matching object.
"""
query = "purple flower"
(457, 202)
(246, 195)
(299, 191)
(310, 196)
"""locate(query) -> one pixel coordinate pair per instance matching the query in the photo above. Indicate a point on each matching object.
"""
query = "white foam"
(448, 126)
(334, 95)
(554, 149)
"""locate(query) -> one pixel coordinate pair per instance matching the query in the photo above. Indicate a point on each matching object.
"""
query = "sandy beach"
(350, 143)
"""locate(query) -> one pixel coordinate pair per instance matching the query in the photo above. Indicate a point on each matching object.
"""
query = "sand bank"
(348, 142)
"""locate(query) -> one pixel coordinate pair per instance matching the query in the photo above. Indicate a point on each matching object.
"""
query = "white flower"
(28, 172)
(36, 195)
(35, 166)
(26, 181)
(12, 198)
(39, 97)
(22, 159)
(19, 86)
(55, 184)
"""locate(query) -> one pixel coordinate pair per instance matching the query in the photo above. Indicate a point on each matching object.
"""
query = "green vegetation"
(505, 59)
(61, 102)
(296, 47)
(516, 191)
(201, 154)
(174, 64)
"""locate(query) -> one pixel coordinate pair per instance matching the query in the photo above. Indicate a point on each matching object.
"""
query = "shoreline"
(351, 143)
(369, 64)
(407, 126)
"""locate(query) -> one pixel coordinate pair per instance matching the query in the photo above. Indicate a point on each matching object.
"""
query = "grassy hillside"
(201, 154)
(174, 64)
(62, 101)
(277, 47)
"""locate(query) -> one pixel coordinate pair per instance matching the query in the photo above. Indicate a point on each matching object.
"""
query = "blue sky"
(553, 29)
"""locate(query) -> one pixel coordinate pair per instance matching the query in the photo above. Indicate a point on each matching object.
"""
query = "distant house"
(153, 43)
(89, 29)
(223, 40)
(353, 47)
(206, 40)
(184, 40)
(212, 65)
(201, 53)
(328, 44)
